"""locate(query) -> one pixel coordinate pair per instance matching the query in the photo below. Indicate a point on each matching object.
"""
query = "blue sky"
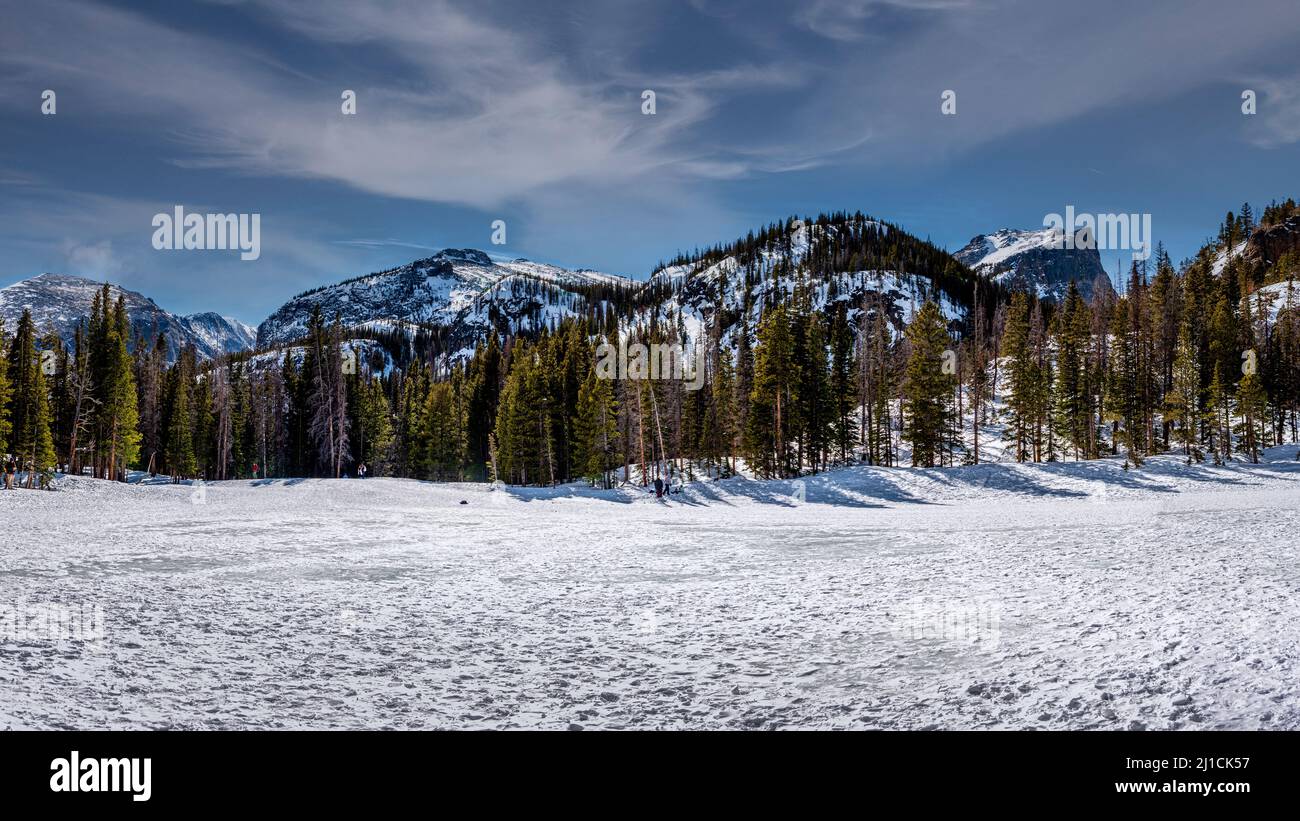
(530, 112)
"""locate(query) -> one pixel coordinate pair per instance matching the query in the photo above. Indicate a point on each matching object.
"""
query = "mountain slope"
(220, 333)
(1026, 260)
(463, 293)
(460, 296)
(1267, 252)
(860, 263)
(59, 302)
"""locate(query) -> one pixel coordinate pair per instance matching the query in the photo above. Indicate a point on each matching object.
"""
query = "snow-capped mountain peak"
(1034, 260)
(1005, 243)
(220, 333)
(464, 291)
(60, 302)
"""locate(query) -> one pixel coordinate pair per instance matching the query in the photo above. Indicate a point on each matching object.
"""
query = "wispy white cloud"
(17, 178)
(95, 260)
(486, 116)
(1276, 121)
(1016, 68)
(485, 111)
(846, 19)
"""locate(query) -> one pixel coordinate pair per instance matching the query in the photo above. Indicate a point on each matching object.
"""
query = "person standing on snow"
(361, 470)
(659, 488)
(10, 469)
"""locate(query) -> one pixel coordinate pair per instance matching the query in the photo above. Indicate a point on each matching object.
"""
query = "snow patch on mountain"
(1000, 247)
(367, 355)
(699, 289)
(463, 291)
(1272, 300)
(1225, 255)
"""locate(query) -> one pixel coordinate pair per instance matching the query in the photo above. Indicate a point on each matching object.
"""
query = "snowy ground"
(999, 596)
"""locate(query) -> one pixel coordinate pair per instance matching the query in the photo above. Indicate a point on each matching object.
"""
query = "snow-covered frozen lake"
(999, 596)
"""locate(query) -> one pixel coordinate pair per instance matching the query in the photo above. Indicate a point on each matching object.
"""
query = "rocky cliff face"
(1027, 260)
(1268, 245)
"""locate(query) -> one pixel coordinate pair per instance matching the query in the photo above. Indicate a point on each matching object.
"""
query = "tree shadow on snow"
(819, 489)
(1002, 478)
(571, 491)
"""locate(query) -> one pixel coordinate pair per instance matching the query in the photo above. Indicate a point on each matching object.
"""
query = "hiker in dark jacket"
(659, 488)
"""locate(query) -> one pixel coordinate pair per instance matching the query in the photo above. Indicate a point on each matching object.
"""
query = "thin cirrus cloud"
(1277, 119)
(94, 259)
(480, 118)
(848, 20)
(485, 111)
(1019, 66)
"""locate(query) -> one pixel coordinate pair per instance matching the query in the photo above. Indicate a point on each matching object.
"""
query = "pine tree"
(546, 425)
(1252, 407)
(1121, 402)
(877, 382)
(223, 420)
(519, 451)
(884, 386)
(149, 362)
(40, 455)
(1141, 427)
(5, 390)
(1039, 372)
(60, 387)
(439, 437)
(744, 379)
(204, 426)
(240, 450)
(1020, 377)
(30, 440)
(843, 391)
(768, 442)
(816, 404)
(596, 429)
(118, 414)
(405, 429)
(373, 425)
(1219, 415)
(1195, 311)
(329, 419)
(1182, 402)
(485, 390)
(78, 401)
(724, 414)
(298, 388)
(927, 389)
(179, 449)
(1073, 410)
(1166, 313)
(977, 376)
(1225, 337)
